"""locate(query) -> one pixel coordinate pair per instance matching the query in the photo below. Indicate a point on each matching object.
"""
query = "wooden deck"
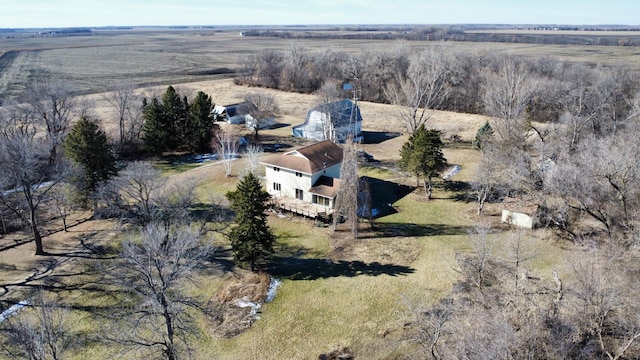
(303, 208)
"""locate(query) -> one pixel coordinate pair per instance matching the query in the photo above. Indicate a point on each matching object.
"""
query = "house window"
(299, 194)
(321, 200)
(275, 168)
(277, 187)
(298, 174)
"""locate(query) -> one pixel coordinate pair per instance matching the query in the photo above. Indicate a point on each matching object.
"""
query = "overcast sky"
(72, 13)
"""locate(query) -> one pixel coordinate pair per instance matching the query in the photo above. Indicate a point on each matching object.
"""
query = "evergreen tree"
(251, 238)
(484, 132)
(175, 111)
(165, 122)
(422, 155)
(88, 148)
(155, 130)
(200, 128)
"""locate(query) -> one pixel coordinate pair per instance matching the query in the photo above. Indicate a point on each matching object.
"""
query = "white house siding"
(289, 182)
(333, 172)
(317, 127)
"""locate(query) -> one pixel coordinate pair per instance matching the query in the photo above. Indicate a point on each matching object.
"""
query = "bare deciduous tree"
(262, 107)
(503, 168)
(28, 172)
(297, 71)
(347, 198)
(604, 307)
(601, 179)
(139, 193)
(130, 193)
(519, 252)
(507, 92)
(580, 103)
(226, 147)
(428, 325)
(248, 69)
(270, 68)
(153, 272)
(252, 153)
(123, 100)
(53, 105)
(422, 88)
(62, 202)
(475, 266)
(40, 331)
(85, 108)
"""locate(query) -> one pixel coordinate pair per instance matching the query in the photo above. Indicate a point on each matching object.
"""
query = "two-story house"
(309, 175)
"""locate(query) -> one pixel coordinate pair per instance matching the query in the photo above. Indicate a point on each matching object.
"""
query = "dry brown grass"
(22, 270)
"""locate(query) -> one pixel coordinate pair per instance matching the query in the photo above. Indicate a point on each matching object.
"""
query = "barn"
(332, 121)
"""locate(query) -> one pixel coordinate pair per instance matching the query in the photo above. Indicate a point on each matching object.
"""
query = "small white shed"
(519, 212)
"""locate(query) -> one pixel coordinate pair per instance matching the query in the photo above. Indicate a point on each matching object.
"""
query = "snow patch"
(245, 303)
(451, 172)
(13, 309)
(274, 284)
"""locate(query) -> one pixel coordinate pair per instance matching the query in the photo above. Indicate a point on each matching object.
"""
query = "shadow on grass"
(458, 190)
(90, 249)
(45, 276)
(376, 137)
(383, 194)
(278, 125)
(385, 230)
(16, 243)
(218, 261)
(313, 269)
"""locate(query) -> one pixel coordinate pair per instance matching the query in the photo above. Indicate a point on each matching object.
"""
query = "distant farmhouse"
(333, 121)
(306, 180)
(232, 114)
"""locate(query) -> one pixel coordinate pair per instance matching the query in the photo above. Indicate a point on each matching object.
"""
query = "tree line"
(459, 33)
(443, 78)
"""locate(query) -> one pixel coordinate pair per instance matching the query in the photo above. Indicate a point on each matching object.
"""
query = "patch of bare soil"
(237, 303)
(342, 353)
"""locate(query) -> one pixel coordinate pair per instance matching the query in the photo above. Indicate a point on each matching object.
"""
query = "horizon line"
(317, 25)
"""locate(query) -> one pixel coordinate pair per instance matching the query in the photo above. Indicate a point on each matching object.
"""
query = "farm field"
(336, 293)
(93, 63)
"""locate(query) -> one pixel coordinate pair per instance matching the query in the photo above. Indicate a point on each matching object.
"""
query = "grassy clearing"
(169, 168)
(377, 172)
